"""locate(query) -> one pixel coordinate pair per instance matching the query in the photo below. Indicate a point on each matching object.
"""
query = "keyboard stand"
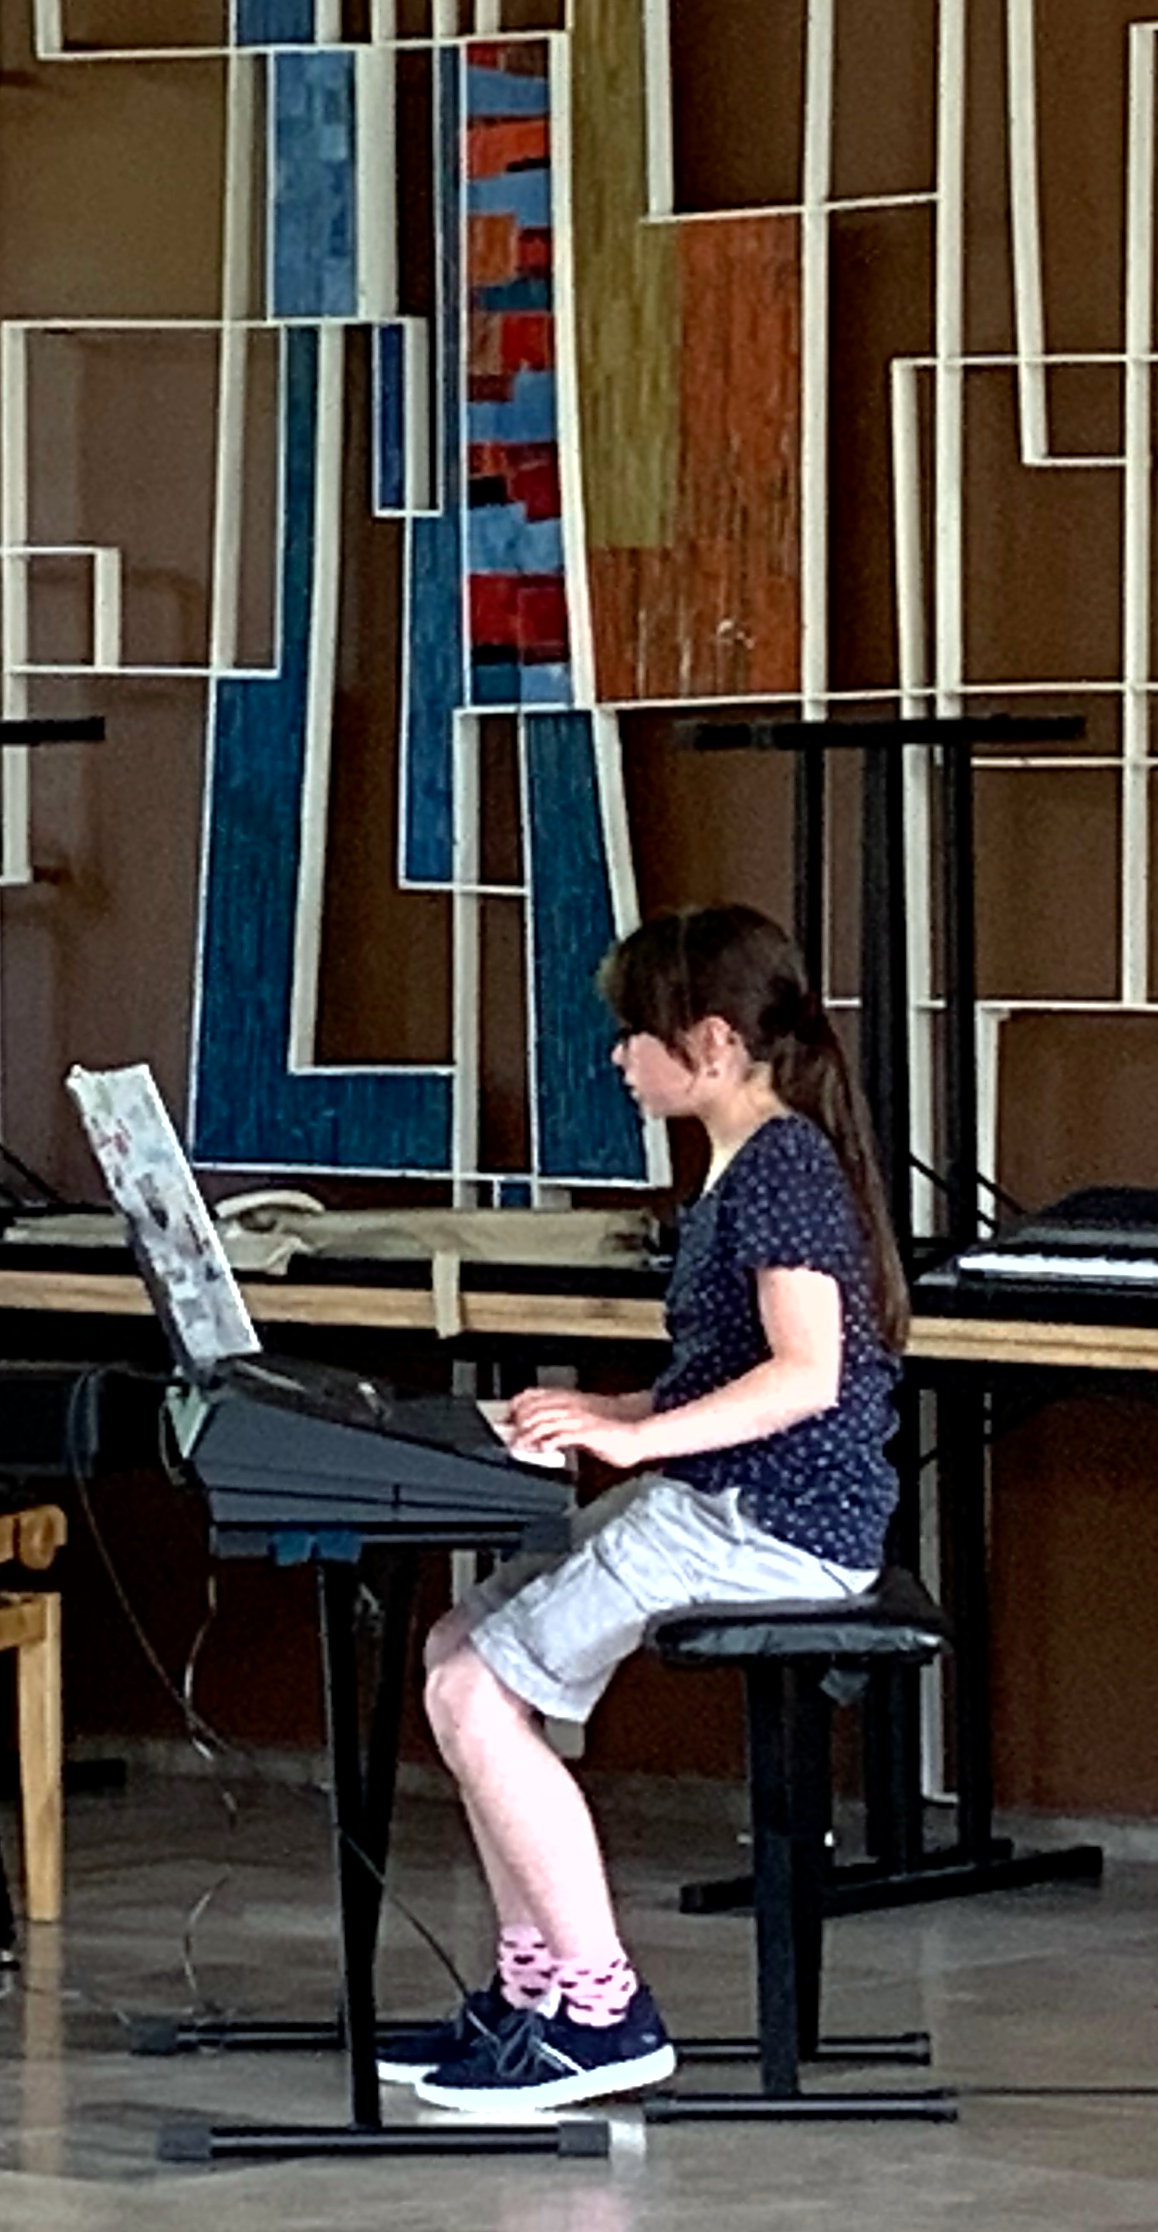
(362, 1807)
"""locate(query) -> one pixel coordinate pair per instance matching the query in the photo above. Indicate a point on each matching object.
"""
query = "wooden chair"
(30, 1626)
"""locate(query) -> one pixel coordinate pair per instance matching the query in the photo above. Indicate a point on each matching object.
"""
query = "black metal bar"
(937, 2106)
(337, 1599)
(954, 1876)
(902, 2046)
(865, 1887)
(395, 1582)
(891, 1744)
(894, 1805)
(300, 2142)
(915, 2047)
(89, 728)
(884, 981)
(808, 856)
(961, 1439)
(718, 1895)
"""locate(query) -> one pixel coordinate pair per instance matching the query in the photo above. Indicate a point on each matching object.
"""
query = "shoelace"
(472, 2023)
(518, 2048)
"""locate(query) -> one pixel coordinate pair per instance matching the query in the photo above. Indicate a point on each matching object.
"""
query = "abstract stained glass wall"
(411, 416)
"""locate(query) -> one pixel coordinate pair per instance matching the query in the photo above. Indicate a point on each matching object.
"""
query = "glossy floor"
(1042, 2005)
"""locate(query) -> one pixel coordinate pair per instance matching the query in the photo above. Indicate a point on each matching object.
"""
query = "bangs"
(644, 980)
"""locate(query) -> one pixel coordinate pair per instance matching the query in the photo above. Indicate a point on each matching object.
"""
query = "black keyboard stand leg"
(359, 1890)
(394, 1581)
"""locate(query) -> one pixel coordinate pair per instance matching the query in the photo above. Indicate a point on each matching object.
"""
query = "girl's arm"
(801, 1315)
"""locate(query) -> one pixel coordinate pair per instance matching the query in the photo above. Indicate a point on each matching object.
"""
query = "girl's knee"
(463, 1703)
(456, 1690)
(446, 1636)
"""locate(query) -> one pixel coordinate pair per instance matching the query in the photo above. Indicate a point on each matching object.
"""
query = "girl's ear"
(708, 1041)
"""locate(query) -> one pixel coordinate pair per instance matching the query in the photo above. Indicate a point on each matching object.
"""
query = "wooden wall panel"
(1074, 1555)
(689, 362)
(1078, 1103)
(1054, 839)
(716, 612)
(627, 289)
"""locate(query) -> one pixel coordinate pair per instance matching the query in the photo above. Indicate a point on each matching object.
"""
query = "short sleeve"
(788, 1206)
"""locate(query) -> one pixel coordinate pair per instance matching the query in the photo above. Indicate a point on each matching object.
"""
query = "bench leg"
(773, 1871)
(39, 1711)
(810, 1779)
(788, 1773)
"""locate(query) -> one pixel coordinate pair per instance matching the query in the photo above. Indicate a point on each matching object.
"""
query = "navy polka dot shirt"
(825, 1483)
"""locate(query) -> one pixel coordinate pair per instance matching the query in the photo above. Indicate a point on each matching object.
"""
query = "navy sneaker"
(541, 2059)
(410, 2055)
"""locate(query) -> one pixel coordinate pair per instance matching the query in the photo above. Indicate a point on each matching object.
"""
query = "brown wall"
(110, 205)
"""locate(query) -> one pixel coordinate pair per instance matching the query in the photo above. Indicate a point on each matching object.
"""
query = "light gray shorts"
(555, 1630)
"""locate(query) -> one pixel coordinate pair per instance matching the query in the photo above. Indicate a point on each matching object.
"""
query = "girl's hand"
(615, 1441)
(561, 1418)
(538, 1408)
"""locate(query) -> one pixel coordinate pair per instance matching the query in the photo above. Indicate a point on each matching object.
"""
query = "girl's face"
(661, 1083)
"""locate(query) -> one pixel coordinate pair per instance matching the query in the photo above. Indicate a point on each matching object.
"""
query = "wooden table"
(377, 1303)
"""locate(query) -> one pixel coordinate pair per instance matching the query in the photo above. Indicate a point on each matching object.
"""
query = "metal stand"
(362, 1806)
(300, 2142)
(901, 1869)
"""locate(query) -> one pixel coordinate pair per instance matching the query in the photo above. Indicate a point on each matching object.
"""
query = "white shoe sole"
(558, 2092)
(404, 2073)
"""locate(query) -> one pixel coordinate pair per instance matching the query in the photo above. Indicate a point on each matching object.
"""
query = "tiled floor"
(1043, 2005)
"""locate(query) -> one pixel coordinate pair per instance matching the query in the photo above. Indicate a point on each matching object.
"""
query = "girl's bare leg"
(536, 1839)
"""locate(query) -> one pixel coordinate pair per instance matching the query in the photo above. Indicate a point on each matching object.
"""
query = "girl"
(765, 1477)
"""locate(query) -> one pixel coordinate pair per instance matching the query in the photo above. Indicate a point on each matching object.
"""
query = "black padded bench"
(796, 1658)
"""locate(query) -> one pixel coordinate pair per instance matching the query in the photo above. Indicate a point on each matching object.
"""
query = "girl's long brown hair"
(734, 962)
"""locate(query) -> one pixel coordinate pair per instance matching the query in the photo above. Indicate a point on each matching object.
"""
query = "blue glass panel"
(248, 1110)
(525, 194)
(275, 22)
(588, 1127)
(503, 540)
(435, 667)
(546, 683)
(314, 214)
(528, 415)
(533, 292)
(389, 445)
(495, 682)
(505, 93)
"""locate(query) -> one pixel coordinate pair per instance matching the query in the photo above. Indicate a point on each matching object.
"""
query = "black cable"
(987, 1185)
(206, 1740)
(48, 1196)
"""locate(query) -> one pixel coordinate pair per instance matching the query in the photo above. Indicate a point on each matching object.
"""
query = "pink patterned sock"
(526, 1965)
(599, 1993)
